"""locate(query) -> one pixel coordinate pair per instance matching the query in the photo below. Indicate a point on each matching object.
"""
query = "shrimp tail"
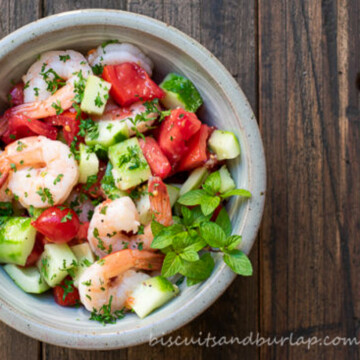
(159, 201)
(148, 260)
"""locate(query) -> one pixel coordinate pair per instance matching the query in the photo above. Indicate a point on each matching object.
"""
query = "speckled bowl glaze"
(225, 106)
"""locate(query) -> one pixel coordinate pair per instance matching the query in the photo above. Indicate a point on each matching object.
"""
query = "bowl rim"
(206, 296)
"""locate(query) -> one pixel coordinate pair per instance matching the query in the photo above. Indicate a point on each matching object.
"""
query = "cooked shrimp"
(114, 221)
(112, 278)
(43, 171)
(40, 102)
(113, 54)
(114, 112)
(62, 63)
(110, 224)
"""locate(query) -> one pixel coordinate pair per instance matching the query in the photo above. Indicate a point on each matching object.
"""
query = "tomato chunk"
(16, 95)
(20, 126)
(58, 223)
(69, 122)
(158, 162)
(66, 294)
(174, 133)
(197, 150)
(130, 83)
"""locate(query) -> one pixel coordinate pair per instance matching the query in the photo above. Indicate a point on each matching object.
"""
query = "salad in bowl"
(112, 187)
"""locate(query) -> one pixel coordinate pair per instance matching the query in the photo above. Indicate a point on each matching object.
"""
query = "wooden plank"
(53, 7)
(14, 345)
(309, 272)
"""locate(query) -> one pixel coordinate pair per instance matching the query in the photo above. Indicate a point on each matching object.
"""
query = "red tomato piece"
(158, 162)
(36, 251)
(58, 223)
(66, 294)
(20, 126)
(69, 122)
(16, 95)
(197, 150)
(130, 83)
(174, 133)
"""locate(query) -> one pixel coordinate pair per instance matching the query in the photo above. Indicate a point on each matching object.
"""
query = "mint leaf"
(237, 192)
(181, 241)
(156, 227)
(224, 222)
(212, 183)
(213, 234)
(192, 197)
(200, 269)
(232, 242)
(208, 204)
(238, 262)
(196, 246)
(197, 217)
(187, 215)
(189, 255)
(165, 237)
(171, 264)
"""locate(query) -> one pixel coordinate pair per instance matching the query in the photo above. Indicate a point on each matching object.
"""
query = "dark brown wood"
(309, 113)
(12, 343)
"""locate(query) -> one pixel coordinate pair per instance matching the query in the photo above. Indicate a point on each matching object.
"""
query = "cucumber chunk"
(109, 133)
(88, 164)
(130, 167)
(227, 182)
(85, 258)
(55, 262)
(224, 144)
(96, 94)
(173, 192)
(180, 92)
(195, 179)
(151, 294)
(28, 279)
(17, 238)
(108, 184)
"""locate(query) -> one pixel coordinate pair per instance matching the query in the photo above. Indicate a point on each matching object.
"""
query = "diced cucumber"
(96, 94)
(224, 144)
(109, 133)
(143, 207)
(180, 92)
(173, 192)
(108, 184)
(151, 294)
(195, 179)
(85, 258)
(129, 164)
(17, 238)
(28, 279)
(88, 164)
(227, 182)
(55, 262)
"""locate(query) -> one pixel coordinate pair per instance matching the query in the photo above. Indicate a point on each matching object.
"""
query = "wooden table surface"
(298, 62)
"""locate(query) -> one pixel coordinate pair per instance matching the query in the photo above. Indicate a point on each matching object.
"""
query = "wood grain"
(11, 340)
(309, 272)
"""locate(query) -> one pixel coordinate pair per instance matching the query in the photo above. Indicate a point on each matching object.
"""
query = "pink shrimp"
(112, 279)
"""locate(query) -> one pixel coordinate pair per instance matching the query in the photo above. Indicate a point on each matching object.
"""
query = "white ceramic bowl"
(225, 106)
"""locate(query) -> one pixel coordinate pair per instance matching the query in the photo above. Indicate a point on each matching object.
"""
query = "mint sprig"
(209, 197)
